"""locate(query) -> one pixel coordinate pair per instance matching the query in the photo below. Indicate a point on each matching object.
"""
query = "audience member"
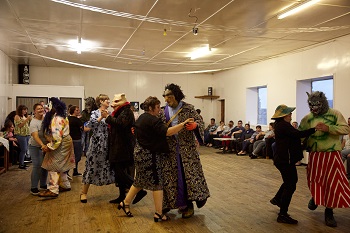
(13, 142)
(246, 134)
(22, 120)
(260, 144)
(210, 129)
(215, 134)
(345, 153)
(37, 143)
(255, 136)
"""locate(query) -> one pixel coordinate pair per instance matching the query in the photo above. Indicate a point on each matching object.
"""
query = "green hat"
(281, 111)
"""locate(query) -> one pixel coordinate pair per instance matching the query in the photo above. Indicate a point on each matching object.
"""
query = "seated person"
(246, 134)
(260, 144)
(215, 134)
(210, 128)
(226, 134)
(13, 144)
(236, 134)
(251, 140)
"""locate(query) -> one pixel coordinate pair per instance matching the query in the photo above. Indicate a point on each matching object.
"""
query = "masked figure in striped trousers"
(326, 174)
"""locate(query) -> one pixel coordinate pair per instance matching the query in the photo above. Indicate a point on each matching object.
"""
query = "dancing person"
(75, 130)
(288, 152)
(121, 146)
(326, 174)
(183, 177)
(37, 143)
(151, 147)
(97, 167)
(22, 120)
(59, 156)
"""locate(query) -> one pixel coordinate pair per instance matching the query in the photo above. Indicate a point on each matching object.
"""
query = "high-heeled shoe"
(160, 218)
(83, 198)
(129, 214)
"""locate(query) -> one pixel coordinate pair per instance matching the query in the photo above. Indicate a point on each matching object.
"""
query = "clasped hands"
(190, 124)
(322, 127)
(104, 113)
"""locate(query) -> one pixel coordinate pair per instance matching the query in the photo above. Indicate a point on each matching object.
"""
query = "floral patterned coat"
(197, 188)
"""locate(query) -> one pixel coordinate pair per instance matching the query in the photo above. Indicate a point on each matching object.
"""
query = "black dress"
(151, 147)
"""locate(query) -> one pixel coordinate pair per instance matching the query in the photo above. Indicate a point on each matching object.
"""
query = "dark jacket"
(288, 143)
(121, 139)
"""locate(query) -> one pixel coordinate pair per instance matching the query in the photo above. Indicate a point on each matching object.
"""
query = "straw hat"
(282, 110)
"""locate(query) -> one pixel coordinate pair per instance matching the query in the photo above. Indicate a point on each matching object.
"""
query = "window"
(326, 86)
(262, 105)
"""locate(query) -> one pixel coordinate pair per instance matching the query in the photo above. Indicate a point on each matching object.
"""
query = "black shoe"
(274, 201)
(141, 194)
(201, 203)
(312, 205)
(165, 210)
(27, 160)
(34, 191)
(23, 167)
(118, 200)
(285, 218)
(43, 188)
(329, 218)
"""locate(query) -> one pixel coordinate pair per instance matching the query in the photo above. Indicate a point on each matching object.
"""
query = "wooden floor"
(240, 192)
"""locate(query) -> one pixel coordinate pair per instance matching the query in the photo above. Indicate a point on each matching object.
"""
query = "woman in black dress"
(150, 147)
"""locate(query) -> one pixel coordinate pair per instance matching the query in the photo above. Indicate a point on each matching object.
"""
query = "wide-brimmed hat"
(282, 111)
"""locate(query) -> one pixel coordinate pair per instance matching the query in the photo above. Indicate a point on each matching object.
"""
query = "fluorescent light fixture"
(80, 45)
(298, 8)
(201, 52)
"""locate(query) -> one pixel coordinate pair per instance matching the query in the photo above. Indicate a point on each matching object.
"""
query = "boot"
(329, 218)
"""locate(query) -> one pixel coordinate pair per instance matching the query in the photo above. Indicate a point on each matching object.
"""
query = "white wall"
(281, 74)
(8, 73)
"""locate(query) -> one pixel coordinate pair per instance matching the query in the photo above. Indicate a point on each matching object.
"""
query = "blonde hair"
(99, 98)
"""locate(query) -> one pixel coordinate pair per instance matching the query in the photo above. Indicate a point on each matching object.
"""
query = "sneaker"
(77, 174)
(312, 205)
(48, 193)
(43, 188)
(69, 177)
(23, 167)
(285, 218)
(34, 191)
(27, 160)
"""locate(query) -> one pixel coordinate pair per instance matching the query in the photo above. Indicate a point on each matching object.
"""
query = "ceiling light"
(80, 45)
(201, 52)
(164, 33)
(298, 8)
(195, 31)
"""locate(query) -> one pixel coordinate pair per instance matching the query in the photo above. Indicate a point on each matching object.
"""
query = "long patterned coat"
(197, 188)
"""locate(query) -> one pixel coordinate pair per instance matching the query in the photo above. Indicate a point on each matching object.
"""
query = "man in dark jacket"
(121, 146)
(288, 152)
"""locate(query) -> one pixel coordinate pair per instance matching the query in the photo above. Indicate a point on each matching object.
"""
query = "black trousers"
(290, 179)
(122, 176)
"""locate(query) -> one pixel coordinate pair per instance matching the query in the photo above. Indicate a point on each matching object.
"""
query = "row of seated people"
(243, 140)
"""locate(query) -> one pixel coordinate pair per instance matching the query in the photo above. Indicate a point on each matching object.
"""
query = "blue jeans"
(23, 145)
(38, 173)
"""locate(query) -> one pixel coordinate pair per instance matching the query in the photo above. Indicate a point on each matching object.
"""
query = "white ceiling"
(128, 34)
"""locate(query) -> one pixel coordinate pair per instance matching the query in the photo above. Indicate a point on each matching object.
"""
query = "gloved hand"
(191, 126)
